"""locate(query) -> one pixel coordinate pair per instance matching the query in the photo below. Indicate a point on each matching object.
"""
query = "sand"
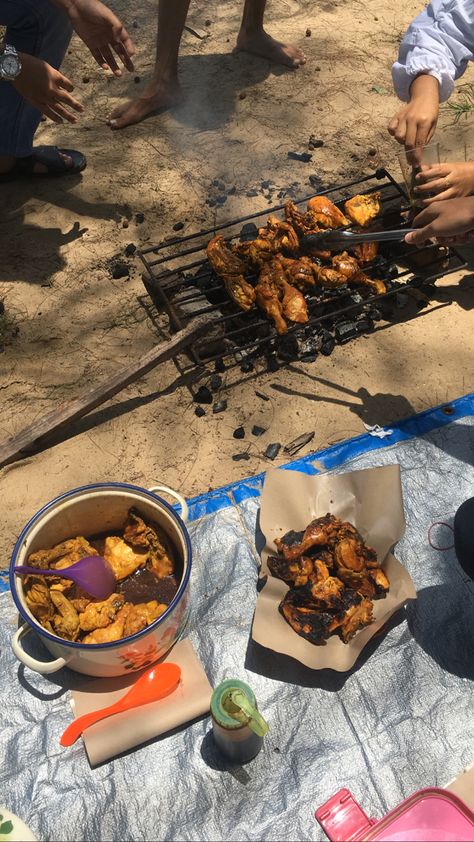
(71, 325)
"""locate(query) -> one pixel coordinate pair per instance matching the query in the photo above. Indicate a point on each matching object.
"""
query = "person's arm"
(434, 52)
(102, 32)
(449, 219)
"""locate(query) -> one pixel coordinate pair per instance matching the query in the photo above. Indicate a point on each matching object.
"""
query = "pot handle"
(44, 667)
(177, 496)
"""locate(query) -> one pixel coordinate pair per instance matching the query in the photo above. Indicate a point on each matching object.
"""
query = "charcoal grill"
(181, 283)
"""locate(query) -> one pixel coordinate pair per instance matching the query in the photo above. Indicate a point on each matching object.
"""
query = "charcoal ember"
(246, 366)
(130, 249)
(139, 217)
(239, 433)
(288, 348)
(219, 365)
(262, 396)
(315, 142)
(203, 395)
(272, 450)
(401, 300)
(215, 382)
(375, 314)
(391, 272)
(248, 231)
(272, 363)
(328, 344)
(309, 349)
(120, 270)
(345, 331)
(364, 325)
(178, 226)
(219, 406)
(355, 298)
(258, 431)
(199, 411)
(239, 457)
(305, 157)
(221, 199)
(315, 182)
(265, 184)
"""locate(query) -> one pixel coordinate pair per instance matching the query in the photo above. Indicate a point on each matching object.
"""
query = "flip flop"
(49, 157)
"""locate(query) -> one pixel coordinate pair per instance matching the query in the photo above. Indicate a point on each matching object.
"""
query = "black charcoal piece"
(232, 191)
(401, 300)
(219, 406)
(203, 395)
(211, 202)
(130, 249)
(215, 382)
(288, 348)
(345, 331)
(365, 325)
(309, 346)
(258, 431)
(238, 457)
(315, 182)
(248, 232)
(139, 217)
(222, 199)
(272, 363)
(239, 433)
(315, 142)
(392, 272)
(199, 411)
(120, 270)
(215, 183)
(178, 226)
(305, 157)
(251, 193)
(219, 365)
(262, 395)
(246, 366)
(375, 314)
(328, 346)
(265, 184)
(308, 357)
(272, 450)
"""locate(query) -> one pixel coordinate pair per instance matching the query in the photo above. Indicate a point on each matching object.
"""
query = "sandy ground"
(71, 325)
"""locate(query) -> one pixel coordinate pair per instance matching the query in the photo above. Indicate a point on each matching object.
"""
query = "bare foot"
(157, 96)
(260, 43)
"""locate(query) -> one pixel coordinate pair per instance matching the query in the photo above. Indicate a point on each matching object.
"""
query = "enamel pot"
(88, 511)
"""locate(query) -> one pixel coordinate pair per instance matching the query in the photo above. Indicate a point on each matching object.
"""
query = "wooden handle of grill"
(30, 438)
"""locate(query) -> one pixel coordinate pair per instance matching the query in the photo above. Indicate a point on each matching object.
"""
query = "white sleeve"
(439, 42)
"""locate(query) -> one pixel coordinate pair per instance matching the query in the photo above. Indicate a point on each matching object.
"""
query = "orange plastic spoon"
(156, 683)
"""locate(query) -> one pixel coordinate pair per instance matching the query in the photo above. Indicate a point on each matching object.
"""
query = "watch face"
(10, 65)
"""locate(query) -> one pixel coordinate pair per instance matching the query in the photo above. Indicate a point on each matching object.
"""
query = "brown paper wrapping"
(372, 501)
(124, 731)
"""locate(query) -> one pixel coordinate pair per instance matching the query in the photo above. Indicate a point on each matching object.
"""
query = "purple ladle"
(92, 573)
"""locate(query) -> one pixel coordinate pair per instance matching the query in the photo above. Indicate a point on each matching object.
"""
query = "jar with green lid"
(237, 725)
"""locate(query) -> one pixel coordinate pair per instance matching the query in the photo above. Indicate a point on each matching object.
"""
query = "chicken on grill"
(278, 298)
(333, 577)
(276, 237)
(231, 268)
(268, 299)
(300, 272)
(325, 213)
(362, 209)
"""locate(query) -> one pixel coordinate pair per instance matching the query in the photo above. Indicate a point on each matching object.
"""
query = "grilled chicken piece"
(292, 301)
(99, 615)
(305, 223)
(268, 298)
(300, 272)
(295, 573)
(327, 592)
(380, 580)
(325, 213)
(112, 632)
(345, 265)
(39, 601)
(305, 618)
(62, 555)
(282, 235)
(365, 252)
(377, 287)
(160, 550)
(321, 531)
(362, 209)
(353, 619)
(328, 277)
(229, 266)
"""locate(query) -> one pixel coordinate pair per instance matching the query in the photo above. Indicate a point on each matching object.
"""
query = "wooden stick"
(28, 439)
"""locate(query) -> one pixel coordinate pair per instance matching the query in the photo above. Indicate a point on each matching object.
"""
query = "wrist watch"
(10, 64)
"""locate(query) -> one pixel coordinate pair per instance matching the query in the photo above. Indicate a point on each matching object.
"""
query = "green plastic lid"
(233, 705)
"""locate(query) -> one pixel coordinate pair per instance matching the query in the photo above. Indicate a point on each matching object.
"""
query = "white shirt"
(439, 42)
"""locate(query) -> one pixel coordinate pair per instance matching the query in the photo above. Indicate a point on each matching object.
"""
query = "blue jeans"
(40, 29)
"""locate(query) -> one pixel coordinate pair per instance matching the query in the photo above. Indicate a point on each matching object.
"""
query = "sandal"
(49, 157)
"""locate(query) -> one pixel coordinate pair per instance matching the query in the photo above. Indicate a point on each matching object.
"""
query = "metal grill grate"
(181, 282)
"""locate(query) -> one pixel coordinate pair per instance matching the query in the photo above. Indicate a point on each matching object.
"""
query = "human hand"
(47, 89)
(445, 181)
(102, 32)
(415, 123)
(443, 220)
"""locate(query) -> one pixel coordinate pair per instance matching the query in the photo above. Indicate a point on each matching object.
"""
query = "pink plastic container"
(430, 815)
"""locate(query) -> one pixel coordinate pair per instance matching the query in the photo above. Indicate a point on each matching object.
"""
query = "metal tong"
(335, 238)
